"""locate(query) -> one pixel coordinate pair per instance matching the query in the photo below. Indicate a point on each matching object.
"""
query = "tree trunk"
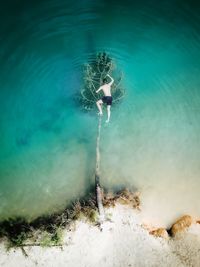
(97, 175)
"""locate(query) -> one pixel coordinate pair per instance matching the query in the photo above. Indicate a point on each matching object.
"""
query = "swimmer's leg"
(108, 112)
(99, 105)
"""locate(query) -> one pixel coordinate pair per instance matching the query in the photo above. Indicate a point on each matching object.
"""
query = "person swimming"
(107, 98)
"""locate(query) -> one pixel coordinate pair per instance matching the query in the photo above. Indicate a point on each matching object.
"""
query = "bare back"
(107, 97)
(106, 89)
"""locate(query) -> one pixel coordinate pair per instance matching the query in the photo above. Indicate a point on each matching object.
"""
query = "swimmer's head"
(104, 81)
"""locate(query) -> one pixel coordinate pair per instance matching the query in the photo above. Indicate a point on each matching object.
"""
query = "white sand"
(123, 242)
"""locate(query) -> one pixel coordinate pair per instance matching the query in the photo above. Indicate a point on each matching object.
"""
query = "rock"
(160, 232)
(182, 224)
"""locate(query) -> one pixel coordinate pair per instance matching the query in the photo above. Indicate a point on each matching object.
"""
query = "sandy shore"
(122, 242)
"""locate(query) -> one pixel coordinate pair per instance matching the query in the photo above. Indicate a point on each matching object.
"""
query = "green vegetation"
(16, 230)
(51, 239)
(47, 231)
(88, 211)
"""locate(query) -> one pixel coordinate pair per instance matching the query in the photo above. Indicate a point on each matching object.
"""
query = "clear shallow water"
(48, 145)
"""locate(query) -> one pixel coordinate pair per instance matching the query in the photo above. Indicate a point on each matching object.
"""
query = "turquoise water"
(47, 154)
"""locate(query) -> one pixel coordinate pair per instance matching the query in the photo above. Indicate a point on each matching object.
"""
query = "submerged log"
(97, 175)
(99, 199)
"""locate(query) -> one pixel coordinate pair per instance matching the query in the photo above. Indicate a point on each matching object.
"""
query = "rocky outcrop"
(160, 232)
(181, 225)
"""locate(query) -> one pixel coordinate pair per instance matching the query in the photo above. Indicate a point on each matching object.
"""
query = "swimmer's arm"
(100, 88)
(112, 80)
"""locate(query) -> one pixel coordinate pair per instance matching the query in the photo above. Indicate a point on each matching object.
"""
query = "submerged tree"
(94, 73)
